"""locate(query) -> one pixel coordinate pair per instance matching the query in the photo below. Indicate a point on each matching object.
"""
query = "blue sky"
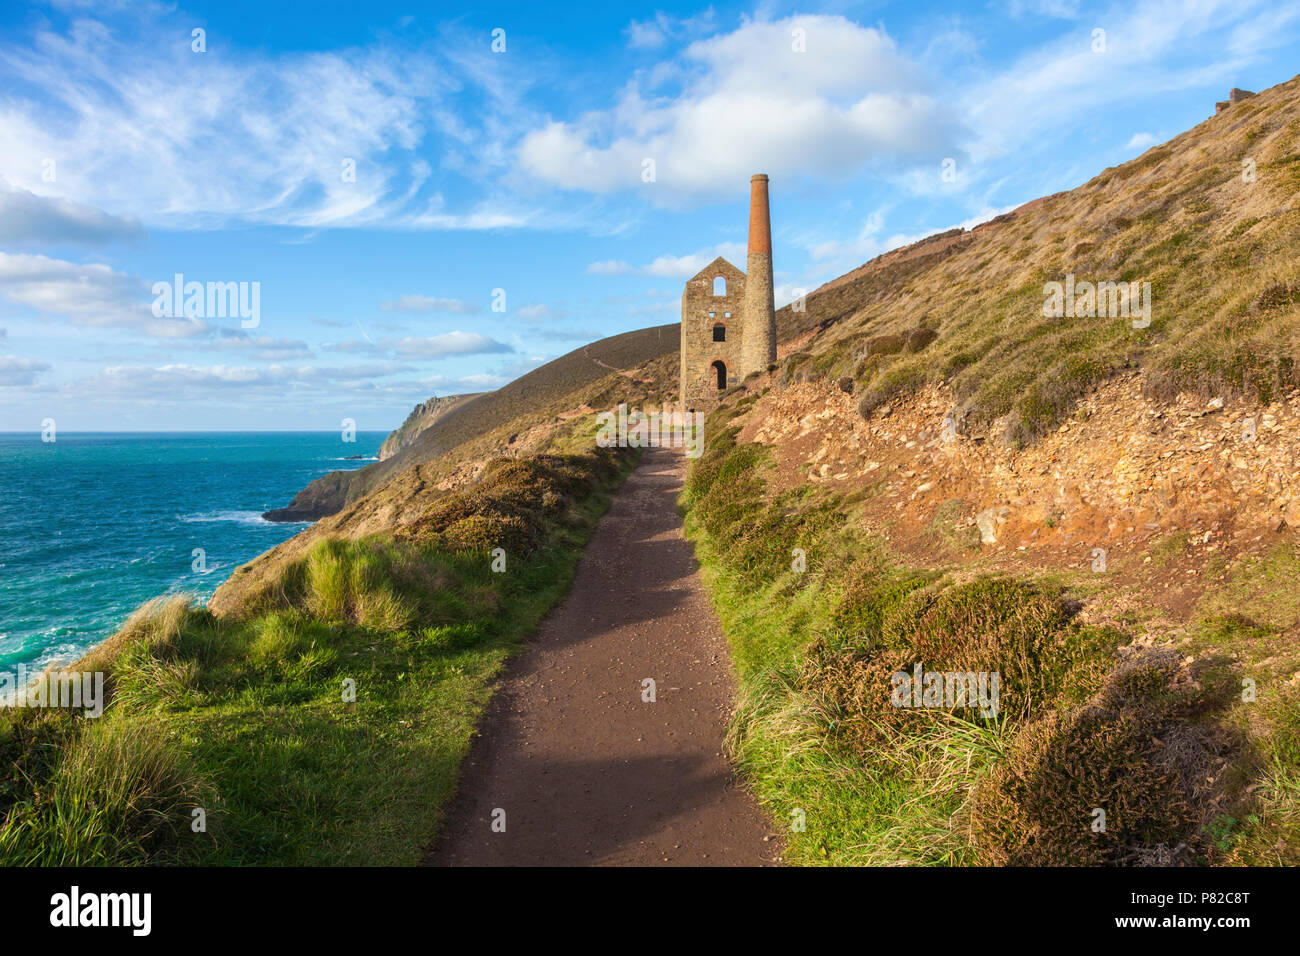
(127, 156)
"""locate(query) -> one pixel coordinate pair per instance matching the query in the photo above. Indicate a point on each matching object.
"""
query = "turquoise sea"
(94, 524)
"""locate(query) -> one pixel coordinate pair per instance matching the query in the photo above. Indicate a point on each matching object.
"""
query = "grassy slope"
(1077, 728)
(1220, 254)
(406, 496)
(244, 715)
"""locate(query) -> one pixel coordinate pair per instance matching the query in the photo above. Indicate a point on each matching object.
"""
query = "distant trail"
(598, 361)
(586, 772)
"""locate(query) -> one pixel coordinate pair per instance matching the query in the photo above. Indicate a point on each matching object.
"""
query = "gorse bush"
(992, 625)
(512, 505)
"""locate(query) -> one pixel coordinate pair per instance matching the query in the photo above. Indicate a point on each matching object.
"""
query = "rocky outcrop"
(421, 417)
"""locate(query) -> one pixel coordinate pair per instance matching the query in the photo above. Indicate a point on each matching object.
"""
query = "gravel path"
(585, 771)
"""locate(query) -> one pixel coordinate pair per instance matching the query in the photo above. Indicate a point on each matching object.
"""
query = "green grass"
(325, 723)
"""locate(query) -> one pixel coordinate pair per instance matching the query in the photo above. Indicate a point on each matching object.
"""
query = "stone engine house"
(728, 317)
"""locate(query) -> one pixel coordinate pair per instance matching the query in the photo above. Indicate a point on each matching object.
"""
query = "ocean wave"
(239, 517)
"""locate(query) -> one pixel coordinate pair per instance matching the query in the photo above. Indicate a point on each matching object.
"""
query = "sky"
(430, 199)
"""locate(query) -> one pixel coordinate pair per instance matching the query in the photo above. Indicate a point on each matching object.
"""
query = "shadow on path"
(585, 771)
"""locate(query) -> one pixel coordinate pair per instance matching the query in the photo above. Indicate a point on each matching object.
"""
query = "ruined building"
(1234, 96)
(728, 317)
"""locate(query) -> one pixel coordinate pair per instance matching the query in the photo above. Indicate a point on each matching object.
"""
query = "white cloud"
(183, 381)
(674, 267)
(136, 121)
(15, 372)
(27, 217)
(1140, 141)
(1041, 96)
(1058, 9)
(449, 343)
(653, 33)
(89, 294)
(424, 303)
(751, 103)
(610, 267)
(264, 347)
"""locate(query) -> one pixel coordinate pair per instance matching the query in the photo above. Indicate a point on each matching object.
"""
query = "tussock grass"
(122, 791)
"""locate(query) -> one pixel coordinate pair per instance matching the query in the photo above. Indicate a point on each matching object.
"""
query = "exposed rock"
(421, 417)
(988, 520)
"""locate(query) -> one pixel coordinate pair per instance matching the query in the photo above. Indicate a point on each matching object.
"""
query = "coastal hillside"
(547, 415)
(420, 418)
(948, 473)
(324, 721)
(507, 413)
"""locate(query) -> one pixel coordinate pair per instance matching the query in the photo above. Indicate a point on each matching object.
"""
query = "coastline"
(184, 517)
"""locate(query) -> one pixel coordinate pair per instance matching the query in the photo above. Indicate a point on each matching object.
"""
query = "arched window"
(719, 285)
(721, 369)
(719, 333)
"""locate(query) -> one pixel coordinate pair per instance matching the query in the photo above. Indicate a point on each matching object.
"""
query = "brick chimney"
(759, 342)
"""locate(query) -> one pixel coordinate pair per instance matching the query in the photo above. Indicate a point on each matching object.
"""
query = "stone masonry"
(728, 317)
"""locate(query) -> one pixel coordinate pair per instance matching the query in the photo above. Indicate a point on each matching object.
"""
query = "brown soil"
(1169, 490)
(585, 770)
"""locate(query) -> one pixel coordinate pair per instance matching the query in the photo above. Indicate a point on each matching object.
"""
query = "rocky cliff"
(421, 417)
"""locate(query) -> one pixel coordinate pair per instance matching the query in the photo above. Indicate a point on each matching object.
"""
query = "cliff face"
(421, 417)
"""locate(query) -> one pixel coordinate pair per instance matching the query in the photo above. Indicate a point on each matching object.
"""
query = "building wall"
(699, 351)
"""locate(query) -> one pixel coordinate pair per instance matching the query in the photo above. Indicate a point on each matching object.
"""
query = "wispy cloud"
(424, 303)
(444, 345)
(135, 122)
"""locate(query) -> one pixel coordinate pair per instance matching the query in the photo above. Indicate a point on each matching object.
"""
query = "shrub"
(1128, 752)
(919, 338)
(992, 625)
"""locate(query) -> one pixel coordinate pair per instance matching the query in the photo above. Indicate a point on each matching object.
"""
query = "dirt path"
(586, 772)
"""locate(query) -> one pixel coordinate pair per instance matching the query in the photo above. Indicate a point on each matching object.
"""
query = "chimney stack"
(759, 342)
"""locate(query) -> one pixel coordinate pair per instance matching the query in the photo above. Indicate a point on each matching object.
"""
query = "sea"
(94, 524)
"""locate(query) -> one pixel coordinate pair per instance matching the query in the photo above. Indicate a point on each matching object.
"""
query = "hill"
(522, 404)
